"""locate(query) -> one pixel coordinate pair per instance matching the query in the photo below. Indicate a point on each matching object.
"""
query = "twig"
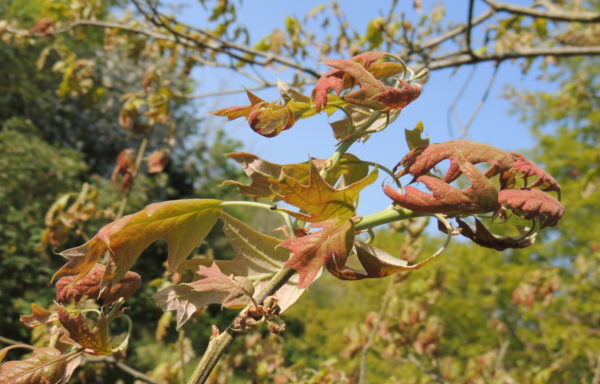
(6, 340)
(470, 28)
(216, 347)
(123, 367)
(363, 353)
(451, 114)
(464, 58)
(596, 379)
(456, 31)
(481, 103)
(558, 15)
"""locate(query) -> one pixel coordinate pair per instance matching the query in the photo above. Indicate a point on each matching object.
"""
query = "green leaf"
(414, 137)
(319, 199)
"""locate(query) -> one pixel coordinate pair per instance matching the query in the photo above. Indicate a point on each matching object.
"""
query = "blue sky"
(312, 137)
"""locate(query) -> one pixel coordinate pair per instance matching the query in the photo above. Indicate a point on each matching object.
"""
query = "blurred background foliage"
(473, 316)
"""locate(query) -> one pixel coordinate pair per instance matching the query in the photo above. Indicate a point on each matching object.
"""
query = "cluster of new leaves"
(368, 71)
(482, 196)
(67, 324)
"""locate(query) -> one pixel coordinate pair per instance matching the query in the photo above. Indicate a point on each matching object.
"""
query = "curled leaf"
(158, 160)
(69, 289)
(482, 236)
(96, 341)
(124, 169)
(372, 93)
(480, 197)
(421, 160)
(528, 169)
(183, 224)
(532, 204)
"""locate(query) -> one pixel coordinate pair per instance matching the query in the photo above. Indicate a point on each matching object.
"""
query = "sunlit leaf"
(183, 224)
(311, 252)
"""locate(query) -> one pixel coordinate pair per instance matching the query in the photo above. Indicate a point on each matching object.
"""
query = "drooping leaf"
(532, 204)
(158, 160)
(258, 256)
(311, 252)
(45, 366)
(421, 160)
(344, 129)
(319, 199)
(69, 289)
(414, 137)
(39, 316)
(482, 236)
(528, 169)
(96, 341)
(480, 197)
(182, 223)
(378, 263)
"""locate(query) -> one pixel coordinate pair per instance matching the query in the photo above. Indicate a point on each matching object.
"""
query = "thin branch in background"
(557, 15)
(470, 28)
(456, 31)
(365, 350)
(6, 340)
(451, 114)
(181, 347)
(596, 379)
(123, 367)
(229, 91)
(464, 129)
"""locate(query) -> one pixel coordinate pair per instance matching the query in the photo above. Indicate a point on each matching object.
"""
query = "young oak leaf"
(96, 341)
(230, 291)
(419, 161)
(69, 289)
(414, 137)
(46, 365)
(532, 204)
(373, 93)
(311, 252)
(528, 169)
(257, 255)
(338, 79)
(233, 113)
(182, 223)
(319, 199)
(359, 115)
(482, 236)
(264, 175)
(39, 316)
(480, 197)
